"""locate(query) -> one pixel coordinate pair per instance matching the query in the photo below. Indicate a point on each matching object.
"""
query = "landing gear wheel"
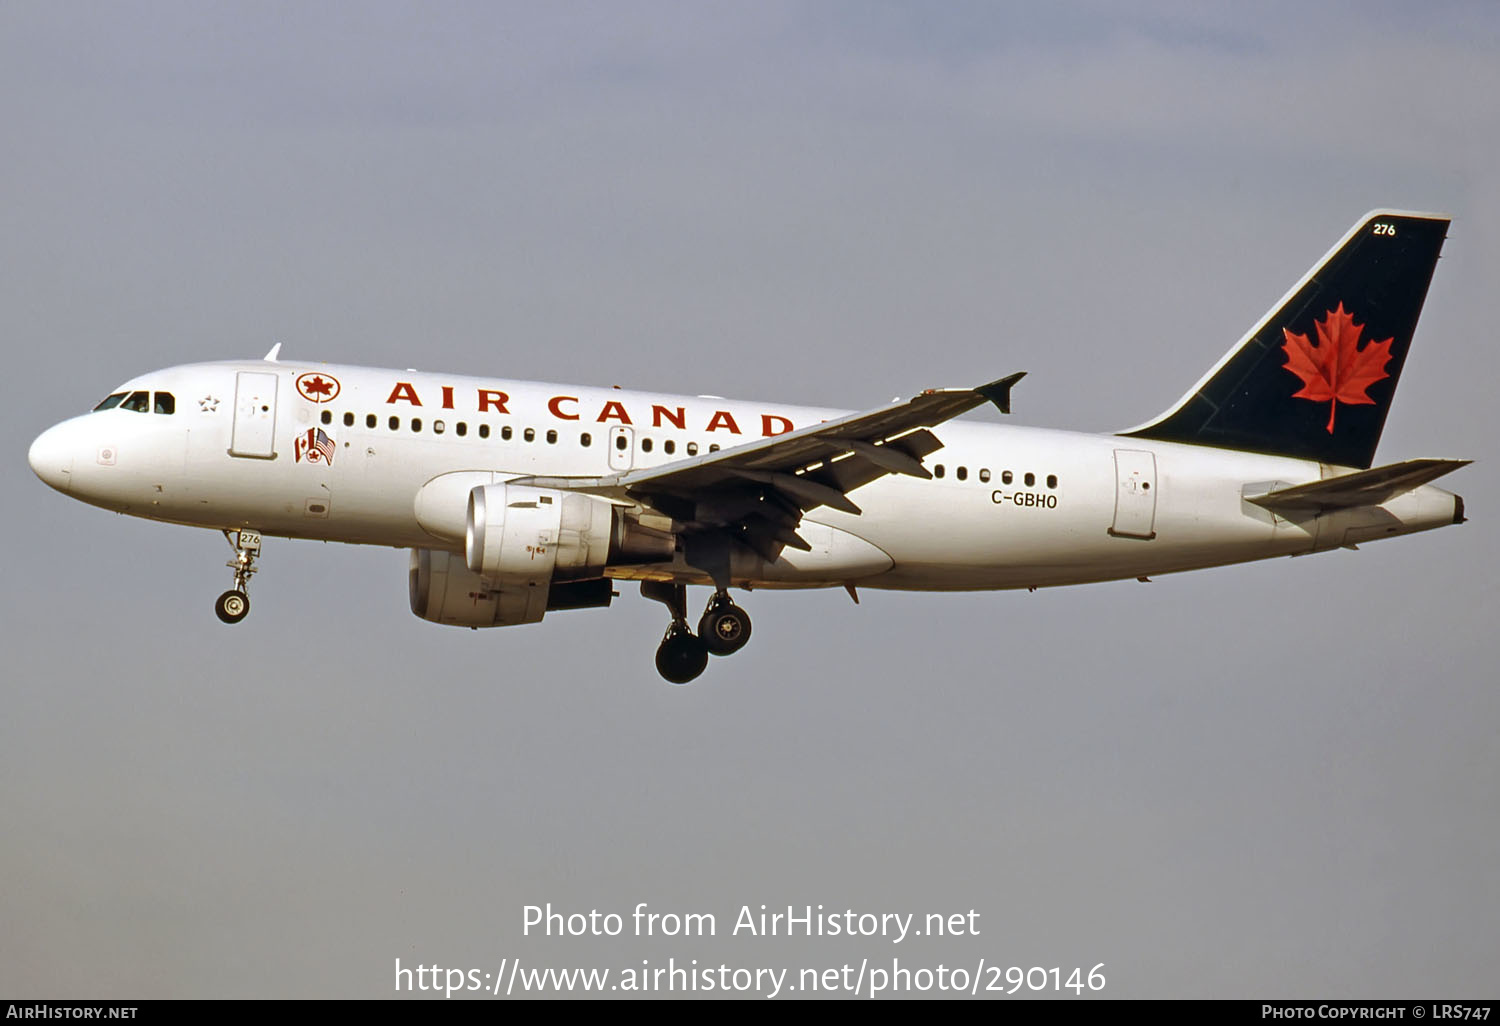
(725, 628)
(682, 656)
(232, 606)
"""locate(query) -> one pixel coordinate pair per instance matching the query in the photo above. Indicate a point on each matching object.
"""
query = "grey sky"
(1272, 779)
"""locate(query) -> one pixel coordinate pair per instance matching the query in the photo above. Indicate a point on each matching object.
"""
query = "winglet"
(998, 392)
(271, 356)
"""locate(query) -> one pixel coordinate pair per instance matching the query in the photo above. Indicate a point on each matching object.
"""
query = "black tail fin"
(1314, 379)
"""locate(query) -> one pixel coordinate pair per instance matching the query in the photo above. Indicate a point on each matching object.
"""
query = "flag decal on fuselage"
(314, 445)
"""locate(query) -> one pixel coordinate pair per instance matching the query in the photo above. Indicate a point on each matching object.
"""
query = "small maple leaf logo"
(1336, 370)
(320, 388)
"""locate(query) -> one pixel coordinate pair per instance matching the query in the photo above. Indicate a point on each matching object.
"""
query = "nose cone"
(51, 457)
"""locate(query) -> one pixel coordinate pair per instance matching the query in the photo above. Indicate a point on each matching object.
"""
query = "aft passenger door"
(254, 434)
(1135, 494)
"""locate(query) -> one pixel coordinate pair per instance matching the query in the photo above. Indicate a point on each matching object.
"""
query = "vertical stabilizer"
(1315, 378)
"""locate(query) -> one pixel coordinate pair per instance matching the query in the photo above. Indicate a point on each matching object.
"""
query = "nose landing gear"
(234, 605)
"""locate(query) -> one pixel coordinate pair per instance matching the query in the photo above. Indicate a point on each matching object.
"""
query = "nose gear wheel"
(232, 606)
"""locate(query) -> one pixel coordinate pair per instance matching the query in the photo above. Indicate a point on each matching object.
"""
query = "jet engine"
(444, 590)
(528, 550)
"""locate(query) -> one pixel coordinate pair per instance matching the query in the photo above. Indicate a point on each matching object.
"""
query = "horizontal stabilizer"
(1366, 488)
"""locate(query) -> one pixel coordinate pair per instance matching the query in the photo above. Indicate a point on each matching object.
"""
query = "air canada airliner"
(518, 498)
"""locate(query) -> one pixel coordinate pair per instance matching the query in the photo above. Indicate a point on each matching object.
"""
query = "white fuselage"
(1008, 507)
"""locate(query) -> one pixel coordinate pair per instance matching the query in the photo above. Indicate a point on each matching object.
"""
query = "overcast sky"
(1277, 779)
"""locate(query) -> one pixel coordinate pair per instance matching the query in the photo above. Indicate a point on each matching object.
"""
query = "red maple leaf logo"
(320, 388)
(1336, 370)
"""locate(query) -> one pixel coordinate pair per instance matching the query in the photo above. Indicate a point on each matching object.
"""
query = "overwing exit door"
(621, 447)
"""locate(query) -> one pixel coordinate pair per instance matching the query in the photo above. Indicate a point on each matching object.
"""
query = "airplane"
(521, 498)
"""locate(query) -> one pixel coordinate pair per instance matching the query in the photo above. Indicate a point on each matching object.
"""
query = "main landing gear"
(234, 605)
(724, 626)
(722, 630)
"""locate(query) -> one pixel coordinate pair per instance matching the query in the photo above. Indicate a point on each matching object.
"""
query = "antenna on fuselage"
(271, 356)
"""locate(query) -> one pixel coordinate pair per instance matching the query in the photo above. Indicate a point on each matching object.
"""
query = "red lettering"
(447, 397)
(553, 404)
(722, 419)
(613, 410)
(403, 392)
(660, 413)
(489, 398)
(768, 422)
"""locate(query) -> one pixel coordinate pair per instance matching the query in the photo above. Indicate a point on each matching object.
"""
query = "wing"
(755, 494)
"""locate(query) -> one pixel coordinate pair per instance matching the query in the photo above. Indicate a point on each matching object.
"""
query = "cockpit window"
(109, 402)
(139, 402)
(165, 403)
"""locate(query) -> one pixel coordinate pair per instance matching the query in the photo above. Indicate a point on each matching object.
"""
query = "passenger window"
(530, 435)
(938, 471)
(438, 427)
(505, 433)
(714, 447)
(461, 428)
(139, 402)
(1006, 477)
(621, 442)
(1030, 479)
(327, 417)
(984, 474)
(484, 431)
(670, 446)
(1051, 480)
(395, 423)
(370, 420)
(416, 423)
(585, 439)
(109, 402)
(551, 437)
(165, 403)
(645, 445)
(348, 420)
(962, 473)
(692, 449)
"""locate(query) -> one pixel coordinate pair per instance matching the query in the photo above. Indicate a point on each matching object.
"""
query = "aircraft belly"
(837, 556)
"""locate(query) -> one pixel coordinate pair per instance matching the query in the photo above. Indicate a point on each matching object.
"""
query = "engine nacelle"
(521, 542)
(444, 590)
(514, 531)
(520, 533)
